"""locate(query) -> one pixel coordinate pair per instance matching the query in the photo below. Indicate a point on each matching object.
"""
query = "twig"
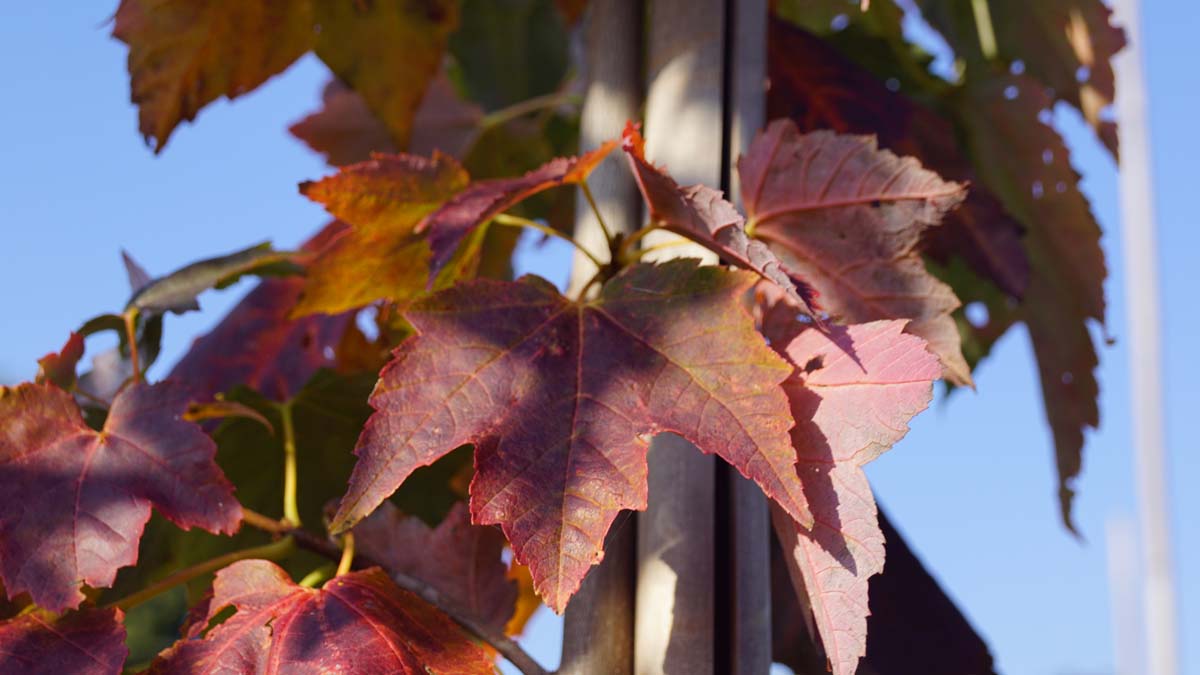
(507, 647)
(522, 108)
(517, 221)
(130, 318)
(291, 511)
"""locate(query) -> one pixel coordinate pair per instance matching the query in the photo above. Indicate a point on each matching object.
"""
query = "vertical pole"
(598, 623)
(674, 623)
(1120, 538)
(1141, 291)
(749, 520)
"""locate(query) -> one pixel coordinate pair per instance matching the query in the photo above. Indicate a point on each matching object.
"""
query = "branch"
(507, 647)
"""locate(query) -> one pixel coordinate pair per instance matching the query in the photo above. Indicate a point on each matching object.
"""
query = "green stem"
(637, 236)
(347, 554)
(522, 108)
(587, 192)
(318, 576)
(983, 24)
(517, 221)
(130, 317)
(271, 551)
(291, 512)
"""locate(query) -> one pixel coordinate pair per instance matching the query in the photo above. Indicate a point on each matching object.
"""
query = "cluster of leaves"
(391, 368)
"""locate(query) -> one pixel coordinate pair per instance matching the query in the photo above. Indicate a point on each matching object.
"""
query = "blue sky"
(972, 486)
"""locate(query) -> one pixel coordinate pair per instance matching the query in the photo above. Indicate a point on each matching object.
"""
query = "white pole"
(1120, 538)
(1141, 291)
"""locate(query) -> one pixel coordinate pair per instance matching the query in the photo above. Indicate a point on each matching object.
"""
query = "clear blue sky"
(972, 486)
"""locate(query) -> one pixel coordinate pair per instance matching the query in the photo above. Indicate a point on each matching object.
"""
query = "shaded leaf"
(819, 88)
(58, 368)
(561, 398)
(257, 345)
(177, 291)
(184, 55)
(379, 255)
(483, 200)
(1067, 45)
(359, 623)
(386, 51)
(459, 560)
(73, 502)
(1028, 165)
(86, 642)
(914, 625)
(508, 51)
(847, 217)
(852, 395)
(345, 130)
(701, 214)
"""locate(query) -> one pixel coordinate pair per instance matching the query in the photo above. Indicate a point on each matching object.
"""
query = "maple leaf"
(1067, 45)
(346, 132)
(358, 623)
(58, 368)
(177, 291)
(699, 213)
(380, 255)
(854, 390)
(258, 345)
(184, 55)
(86, 642)
(387, 52)
(914, 625)
(485, 199)
(73, 501)
(818, 88)
(1027, 163)
(848, 217)
(561, 398)
(460, 560)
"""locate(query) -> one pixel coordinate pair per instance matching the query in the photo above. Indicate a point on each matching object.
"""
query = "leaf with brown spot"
(379, 256)
(73, 501)
(561, 398)
(184, 55)
(869, 381)
(847, 217)
(86, 642)
(701, 214)
(485, 199)
(359, 623)
(460, 560)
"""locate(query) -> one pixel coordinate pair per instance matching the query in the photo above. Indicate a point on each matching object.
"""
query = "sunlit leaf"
(561, 398)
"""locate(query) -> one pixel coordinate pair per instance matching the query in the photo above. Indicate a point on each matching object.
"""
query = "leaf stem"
(291, 511)
(522, 108)
(130, 318)
(347, 554)
(272, 551)
(637, 236)
(507, 647)
(591, 200)
(517, 221)
(318, 576)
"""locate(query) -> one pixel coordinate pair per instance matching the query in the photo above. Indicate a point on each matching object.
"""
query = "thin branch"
(522, 108)
(347, 554)
(587, 192)
(507, 647)
(517, 221)
(272, 551)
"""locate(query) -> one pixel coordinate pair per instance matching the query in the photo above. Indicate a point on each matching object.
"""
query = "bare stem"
(507, 647)
(517, 221)
(522, 108)
(347, 554)
(291, 511)
(272, 551)
(587, 192)
(130, 317)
